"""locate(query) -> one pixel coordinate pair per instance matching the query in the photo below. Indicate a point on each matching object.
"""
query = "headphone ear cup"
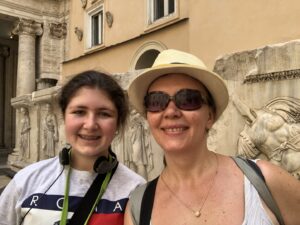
(102, 165)
(64, 156)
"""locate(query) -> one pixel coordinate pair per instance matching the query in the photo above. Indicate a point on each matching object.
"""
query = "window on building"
(96, 27)
(161, 8)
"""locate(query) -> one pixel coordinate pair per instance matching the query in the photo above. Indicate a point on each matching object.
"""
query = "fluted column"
(27, 30)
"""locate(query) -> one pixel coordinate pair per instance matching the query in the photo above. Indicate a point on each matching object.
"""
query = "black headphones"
(102, 165)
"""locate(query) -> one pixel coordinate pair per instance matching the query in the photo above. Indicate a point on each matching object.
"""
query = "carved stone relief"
(58, 30)
(83, 3)
(39, 128)
(274, 76)
(50, 132)
(24, 134)
(109, 18)
(134, 149)
(266, 112)
(273, 131)
(79, 33)
(27, 26)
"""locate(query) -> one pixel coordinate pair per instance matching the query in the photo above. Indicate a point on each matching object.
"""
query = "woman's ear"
(211, 118)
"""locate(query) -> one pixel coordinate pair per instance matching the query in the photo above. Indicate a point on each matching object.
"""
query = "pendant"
(197, 213)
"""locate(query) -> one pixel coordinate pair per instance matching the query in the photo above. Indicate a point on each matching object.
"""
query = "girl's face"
(90, 123)
(174, 129)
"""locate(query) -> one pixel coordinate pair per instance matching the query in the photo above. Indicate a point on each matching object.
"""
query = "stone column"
(27, 30)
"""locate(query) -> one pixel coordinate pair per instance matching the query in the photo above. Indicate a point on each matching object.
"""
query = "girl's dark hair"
(101, 81)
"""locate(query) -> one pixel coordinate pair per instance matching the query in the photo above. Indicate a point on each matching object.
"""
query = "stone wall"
(262, 119)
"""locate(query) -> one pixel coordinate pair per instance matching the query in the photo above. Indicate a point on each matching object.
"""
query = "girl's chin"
(172, 148)
(92, 152)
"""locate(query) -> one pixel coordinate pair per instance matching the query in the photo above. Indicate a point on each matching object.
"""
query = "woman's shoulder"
(123, 182)
(128, 174)
(37, 169)
(285, 189)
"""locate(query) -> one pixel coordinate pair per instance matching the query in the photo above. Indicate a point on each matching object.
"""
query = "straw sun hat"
(174, 61)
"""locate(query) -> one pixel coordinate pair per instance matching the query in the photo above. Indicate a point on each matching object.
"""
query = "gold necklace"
(197, 213)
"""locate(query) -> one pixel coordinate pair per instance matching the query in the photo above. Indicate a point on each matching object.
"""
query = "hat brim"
(212, 81)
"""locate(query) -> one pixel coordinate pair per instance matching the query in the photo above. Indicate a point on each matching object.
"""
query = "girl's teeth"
(174, 129)
(89, 137)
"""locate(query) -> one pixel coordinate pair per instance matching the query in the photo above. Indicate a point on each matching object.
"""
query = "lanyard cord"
(64, 214)
(65, 209)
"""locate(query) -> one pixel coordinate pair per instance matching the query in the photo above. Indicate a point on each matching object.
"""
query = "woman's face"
(90, 122)
(175, 129)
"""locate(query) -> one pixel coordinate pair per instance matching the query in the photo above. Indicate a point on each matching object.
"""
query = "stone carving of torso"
(274, 131)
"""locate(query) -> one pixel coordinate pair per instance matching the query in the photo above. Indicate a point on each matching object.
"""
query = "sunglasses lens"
(185, 99)
(156, 101)
(188, 99)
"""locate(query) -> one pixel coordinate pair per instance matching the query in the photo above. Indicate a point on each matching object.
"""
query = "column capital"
(29, 27)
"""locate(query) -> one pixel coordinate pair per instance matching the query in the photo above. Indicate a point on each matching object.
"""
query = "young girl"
(51, 191)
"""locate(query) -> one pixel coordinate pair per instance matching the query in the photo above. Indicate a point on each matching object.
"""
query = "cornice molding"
(23, 10)
(273, 76)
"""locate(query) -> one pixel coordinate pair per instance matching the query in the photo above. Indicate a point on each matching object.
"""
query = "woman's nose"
(91, 122)
(172, 110)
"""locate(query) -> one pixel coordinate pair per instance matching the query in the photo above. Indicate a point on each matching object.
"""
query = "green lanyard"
(64, 214)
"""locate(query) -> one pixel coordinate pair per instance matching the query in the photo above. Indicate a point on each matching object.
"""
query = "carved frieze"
(134, 148)
(273, 76)
(58, 30)
(272, 132)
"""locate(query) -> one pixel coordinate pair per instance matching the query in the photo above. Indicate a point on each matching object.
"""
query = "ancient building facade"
(42, 43)
(32, 41)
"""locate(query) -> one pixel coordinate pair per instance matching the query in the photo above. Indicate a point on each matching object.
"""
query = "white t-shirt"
(26, 191)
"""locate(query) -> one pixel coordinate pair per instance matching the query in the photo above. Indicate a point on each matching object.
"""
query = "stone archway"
(145, 55)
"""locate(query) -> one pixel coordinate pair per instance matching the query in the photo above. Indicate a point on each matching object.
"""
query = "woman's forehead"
(175, 81)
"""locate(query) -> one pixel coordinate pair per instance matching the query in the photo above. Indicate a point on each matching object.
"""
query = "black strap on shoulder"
(255, 176)
(147, 203)
(83, 210)
(256, 168)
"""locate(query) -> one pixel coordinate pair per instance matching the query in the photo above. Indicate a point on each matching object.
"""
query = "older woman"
(181, 100)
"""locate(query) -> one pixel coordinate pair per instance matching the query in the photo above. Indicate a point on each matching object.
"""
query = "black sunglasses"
(185, 99)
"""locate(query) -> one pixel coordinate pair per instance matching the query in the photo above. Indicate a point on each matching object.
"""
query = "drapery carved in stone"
(50, 132)
(58, 30)
(24, 134)
(134, 147)
(279, 75)
(273, 131)
(27, 26)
